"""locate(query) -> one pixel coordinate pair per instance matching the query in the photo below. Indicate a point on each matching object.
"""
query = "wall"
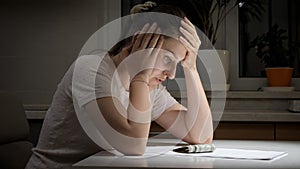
(40, 39)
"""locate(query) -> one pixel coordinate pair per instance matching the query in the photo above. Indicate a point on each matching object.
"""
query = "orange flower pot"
(279, 76)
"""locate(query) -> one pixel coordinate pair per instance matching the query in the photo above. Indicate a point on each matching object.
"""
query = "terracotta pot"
(279, 76)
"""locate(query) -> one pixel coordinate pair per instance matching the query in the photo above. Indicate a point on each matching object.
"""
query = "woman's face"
(171, 54)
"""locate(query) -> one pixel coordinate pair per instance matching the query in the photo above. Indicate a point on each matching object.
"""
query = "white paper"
(220, 153)
(154, 151)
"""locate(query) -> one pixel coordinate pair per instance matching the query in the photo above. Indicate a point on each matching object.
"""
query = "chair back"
(15, 149)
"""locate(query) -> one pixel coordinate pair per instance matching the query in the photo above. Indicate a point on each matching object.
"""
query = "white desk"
(292, 160)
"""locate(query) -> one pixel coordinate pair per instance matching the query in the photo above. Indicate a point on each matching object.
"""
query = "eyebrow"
(176, 57)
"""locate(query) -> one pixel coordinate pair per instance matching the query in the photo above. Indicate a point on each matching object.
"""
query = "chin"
(153, 83)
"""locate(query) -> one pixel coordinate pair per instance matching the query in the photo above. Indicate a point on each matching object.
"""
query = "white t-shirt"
(64, 138)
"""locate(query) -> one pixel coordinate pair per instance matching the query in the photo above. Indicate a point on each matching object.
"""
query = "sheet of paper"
(154, 151)
(220, 153)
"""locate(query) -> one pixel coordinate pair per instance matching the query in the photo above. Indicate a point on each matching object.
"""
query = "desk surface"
(292, 160)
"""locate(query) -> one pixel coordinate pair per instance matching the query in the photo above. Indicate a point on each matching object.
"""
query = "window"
(245, 72)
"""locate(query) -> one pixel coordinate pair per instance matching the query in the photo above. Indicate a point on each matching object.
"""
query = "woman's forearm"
(139, 108)
(198, 118)
(130, 124)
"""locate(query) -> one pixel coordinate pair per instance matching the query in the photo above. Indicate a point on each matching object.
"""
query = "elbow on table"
(134, 148)
(209, 140)
(134, 152)
(193, 140)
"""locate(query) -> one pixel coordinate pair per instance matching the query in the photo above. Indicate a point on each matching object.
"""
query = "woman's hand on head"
(145, 47)
(191, 41)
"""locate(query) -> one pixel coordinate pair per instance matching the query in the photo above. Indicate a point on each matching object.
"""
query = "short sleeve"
(90, 81)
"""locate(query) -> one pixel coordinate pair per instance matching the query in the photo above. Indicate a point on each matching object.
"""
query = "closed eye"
(167, 59)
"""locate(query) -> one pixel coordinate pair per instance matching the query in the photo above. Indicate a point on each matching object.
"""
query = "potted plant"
(209, 16)
(272, 51)
(211, 13)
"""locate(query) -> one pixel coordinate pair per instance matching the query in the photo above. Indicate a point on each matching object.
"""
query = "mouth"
(159, 80)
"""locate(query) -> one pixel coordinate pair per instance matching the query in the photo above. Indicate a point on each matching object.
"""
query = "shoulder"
(93, 64)
(86, 61)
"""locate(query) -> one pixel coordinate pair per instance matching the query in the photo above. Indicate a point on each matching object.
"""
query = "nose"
(171, 72)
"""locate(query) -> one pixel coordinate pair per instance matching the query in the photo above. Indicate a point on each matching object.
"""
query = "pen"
(197, 148)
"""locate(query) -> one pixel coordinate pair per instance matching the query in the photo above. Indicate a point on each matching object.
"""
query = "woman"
(119, 93)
